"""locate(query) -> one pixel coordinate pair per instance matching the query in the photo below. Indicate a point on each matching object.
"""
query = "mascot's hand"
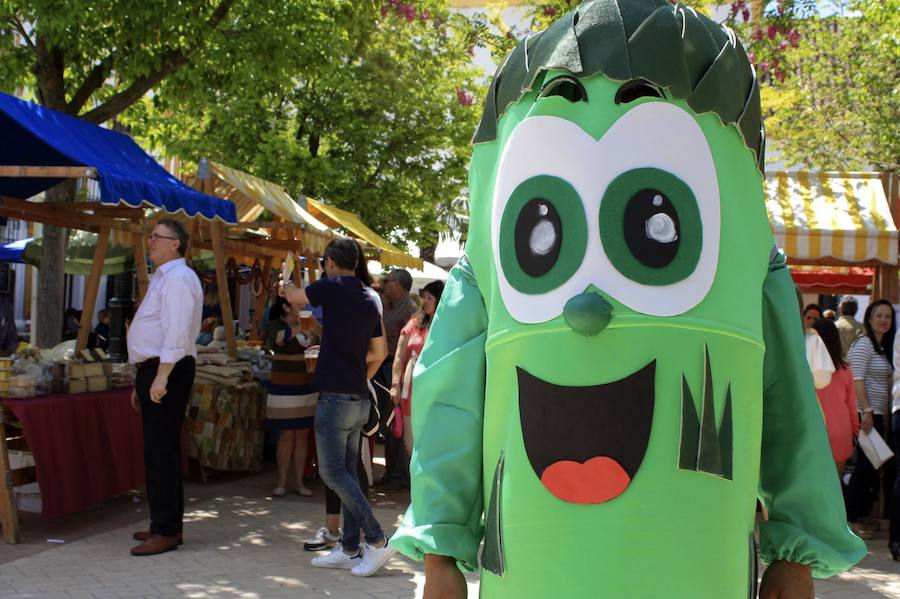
(443, 580)
(787, 580)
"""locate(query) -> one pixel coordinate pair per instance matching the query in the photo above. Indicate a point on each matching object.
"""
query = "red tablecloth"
(87, 447)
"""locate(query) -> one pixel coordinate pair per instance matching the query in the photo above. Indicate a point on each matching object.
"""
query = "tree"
(831, 82)
(94, 59)
(314, 93)
(380, 124)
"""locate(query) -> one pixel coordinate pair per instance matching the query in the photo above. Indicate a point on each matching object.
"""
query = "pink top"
(415, 339)
(838, 401)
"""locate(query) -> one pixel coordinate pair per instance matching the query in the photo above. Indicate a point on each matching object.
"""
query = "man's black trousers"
(162, 444)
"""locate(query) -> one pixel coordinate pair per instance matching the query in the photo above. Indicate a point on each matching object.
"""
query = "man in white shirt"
(161, 343)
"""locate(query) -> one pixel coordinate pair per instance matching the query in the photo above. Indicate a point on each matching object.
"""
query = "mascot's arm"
(807, 523)
(444, 516)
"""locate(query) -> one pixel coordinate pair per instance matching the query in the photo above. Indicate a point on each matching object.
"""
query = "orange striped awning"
(824, 216)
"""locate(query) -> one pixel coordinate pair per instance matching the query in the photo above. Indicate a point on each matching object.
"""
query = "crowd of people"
(368, 336)
(857, 379)
(347, 317)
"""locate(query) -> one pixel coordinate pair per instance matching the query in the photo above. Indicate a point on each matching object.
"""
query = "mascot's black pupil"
(651, 228)
(538, 237)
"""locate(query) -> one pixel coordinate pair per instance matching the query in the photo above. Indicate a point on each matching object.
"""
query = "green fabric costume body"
(616, 371)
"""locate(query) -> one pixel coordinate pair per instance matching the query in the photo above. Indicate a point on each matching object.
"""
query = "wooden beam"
(260, 304)
(266, 225)
(241, 248)
(218, 248)
(103, 210)
(45, 220)
(8, 514)
(54, 172)
(288, 245)
(53, 214)
(90, 290)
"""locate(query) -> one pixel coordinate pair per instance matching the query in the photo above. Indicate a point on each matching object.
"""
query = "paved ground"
(240, 543)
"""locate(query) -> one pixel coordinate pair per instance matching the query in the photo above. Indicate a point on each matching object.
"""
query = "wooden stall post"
(886, 285)
(217, 231)
(26, 311)
(91, 288)
(260, 303)
(8, 514)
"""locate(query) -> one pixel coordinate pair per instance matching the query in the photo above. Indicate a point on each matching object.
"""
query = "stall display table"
(226, 426)
(88, 447)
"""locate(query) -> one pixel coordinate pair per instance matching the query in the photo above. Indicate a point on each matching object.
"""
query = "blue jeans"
(339, 421)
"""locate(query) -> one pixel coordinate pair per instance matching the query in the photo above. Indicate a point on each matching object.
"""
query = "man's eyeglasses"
(322, 262)
(154, 237)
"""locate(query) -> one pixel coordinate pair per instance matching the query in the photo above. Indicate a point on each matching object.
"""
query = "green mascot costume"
(616, 372)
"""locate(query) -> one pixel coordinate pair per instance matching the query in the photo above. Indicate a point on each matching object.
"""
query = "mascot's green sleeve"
(616, 370)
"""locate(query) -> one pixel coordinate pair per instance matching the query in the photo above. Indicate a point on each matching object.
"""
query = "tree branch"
(171, 62)
(91, 83)
(21, 29)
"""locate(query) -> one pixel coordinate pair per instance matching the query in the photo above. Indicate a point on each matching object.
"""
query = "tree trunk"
(427, 252)
(51, 277)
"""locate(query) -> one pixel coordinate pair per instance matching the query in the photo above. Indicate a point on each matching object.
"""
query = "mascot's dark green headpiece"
(668, 45)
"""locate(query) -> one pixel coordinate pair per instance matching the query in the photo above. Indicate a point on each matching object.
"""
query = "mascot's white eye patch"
(660, 227)
(635, 213)
(543, 237)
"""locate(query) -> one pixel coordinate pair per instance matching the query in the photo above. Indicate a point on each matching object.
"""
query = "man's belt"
(148, 363)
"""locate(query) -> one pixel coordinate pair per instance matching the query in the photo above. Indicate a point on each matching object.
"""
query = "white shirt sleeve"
(177, 315)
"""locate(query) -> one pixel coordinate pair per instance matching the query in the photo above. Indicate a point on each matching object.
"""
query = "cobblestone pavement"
(239, 543)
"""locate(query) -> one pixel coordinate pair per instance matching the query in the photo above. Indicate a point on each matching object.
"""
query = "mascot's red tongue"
(597, 480)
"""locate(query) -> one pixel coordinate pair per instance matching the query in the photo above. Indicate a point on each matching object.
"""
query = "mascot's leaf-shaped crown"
(668, 45)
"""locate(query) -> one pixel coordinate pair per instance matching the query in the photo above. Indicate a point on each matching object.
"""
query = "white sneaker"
(337, 559)
(373, 558)
(323, 539)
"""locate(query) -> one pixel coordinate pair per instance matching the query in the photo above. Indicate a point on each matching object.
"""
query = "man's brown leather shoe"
(155, 544)
(143, 535)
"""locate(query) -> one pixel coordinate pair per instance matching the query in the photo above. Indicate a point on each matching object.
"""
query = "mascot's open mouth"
(587, 443)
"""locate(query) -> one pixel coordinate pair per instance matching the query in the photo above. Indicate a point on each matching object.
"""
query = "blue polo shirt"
(351, 320)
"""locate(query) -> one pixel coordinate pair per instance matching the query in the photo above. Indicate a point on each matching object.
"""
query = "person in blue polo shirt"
(352, 349)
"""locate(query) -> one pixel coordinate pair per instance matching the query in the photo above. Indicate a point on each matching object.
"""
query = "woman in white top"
(871, 362)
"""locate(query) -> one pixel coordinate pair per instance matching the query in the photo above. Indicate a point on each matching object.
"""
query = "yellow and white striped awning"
(827, 216)
(252, 195)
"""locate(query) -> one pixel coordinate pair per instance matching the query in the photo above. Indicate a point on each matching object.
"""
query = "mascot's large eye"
(543, 234)
(650, 226)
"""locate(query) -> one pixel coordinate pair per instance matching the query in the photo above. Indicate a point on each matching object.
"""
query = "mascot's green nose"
(587, 313)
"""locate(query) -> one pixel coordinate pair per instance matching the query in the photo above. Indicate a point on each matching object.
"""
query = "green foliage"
(829, 71)
(376, 120)
(368, 105)
(833, 99)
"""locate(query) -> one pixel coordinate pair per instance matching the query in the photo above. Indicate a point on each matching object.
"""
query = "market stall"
(836, 229)
(226, 426)
(86, 446)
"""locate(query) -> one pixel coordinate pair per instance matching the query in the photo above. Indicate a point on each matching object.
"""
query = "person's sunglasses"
(154, 237)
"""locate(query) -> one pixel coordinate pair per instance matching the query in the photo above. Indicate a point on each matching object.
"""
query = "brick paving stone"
(240, 544)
